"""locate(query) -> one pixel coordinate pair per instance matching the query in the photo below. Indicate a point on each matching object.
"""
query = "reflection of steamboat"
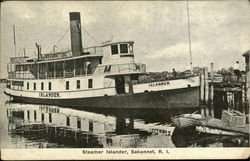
(69, 127)
(100, 76)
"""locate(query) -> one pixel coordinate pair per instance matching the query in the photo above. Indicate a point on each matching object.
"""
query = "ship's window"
(49, 85)
(123, 48)
(42, 86)
(114, 49)
(8, 83)
(90, 85)
(28, 115)
(67, 121)
(28, 85)
(100, 61)
(67, 85)
(78, 84)
(91, 126)
(34, 86)
(42, 117)
(50, 117)
(78, 123)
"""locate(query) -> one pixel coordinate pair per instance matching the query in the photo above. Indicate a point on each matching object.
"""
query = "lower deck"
(121, 93)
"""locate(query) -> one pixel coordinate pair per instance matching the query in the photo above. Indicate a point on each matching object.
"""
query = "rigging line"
(90, 35)
(189, 37)
(62, 36)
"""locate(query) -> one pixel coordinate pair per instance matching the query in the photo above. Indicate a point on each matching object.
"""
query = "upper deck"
(112, 58)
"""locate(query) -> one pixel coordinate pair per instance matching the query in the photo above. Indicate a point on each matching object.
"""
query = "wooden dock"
(216, 124)
(230, 94)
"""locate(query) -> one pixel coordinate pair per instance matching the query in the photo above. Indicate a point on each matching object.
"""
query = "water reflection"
(50, 126)
(43, 126)
(195, 139)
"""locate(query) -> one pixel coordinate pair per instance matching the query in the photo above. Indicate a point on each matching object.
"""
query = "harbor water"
(43, 126)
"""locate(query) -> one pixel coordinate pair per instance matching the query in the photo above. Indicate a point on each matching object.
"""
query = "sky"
(219, 30)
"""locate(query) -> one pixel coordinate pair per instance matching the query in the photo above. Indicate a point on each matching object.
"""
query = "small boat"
(187, 120)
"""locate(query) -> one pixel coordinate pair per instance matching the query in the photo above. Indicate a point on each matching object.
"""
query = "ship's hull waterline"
(165, 99)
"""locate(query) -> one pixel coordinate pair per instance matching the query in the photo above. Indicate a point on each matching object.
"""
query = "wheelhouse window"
(90, 83)
(123, 48)
(78, 84)
(42, 86)
(114, 49)
(67, 85)
(130, 48)
(34, 86)
(49, 85)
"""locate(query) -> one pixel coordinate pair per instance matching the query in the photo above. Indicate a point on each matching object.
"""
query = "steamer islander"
(105, 76)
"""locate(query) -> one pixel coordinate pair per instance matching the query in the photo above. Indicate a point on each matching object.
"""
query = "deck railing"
(129, 68)
(122, 69)
(96, 50)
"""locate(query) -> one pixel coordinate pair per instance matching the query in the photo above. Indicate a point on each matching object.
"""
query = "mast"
(24, 53)
(189, 41)
(14, 35)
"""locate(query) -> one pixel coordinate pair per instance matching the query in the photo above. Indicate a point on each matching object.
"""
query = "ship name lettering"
(49, 94)
(158, 84)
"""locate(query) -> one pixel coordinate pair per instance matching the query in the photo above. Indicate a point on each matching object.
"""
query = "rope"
(90, 35)
(62, 36)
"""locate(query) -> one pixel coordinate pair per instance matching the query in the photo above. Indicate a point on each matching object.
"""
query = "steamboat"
(104, 76)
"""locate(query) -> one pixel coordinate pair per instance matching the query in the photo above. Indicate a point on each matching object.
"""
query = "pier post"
(212, 90)
(247, 87)
(202, 91)
(243, 97)
(206, 92)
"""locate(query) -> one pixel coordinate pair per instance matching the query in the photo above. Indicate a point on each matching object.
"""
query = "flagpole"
(14, 34)
(189, 40)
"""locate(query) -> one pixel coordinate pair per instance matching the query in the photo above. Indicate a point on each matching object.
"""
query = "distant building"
(196, 70)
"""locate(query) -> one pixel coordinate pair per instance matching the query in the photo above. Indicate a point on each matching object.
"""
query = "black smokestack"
(75, 33)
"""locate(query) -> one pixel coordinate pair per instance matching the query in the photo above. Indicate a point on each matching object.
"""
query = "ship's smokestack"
(75, 33)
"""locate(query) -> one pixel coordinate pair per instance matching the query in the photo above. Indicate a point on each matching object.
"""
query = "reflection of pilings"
(31, 131)
(122, 127)
(120, 124)
(131, 124)
(72, 137)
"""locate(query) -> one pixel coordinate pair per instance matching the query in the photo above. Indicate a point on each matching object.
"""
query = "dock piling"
(211, 90)
(206, 92)
(202, 92)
